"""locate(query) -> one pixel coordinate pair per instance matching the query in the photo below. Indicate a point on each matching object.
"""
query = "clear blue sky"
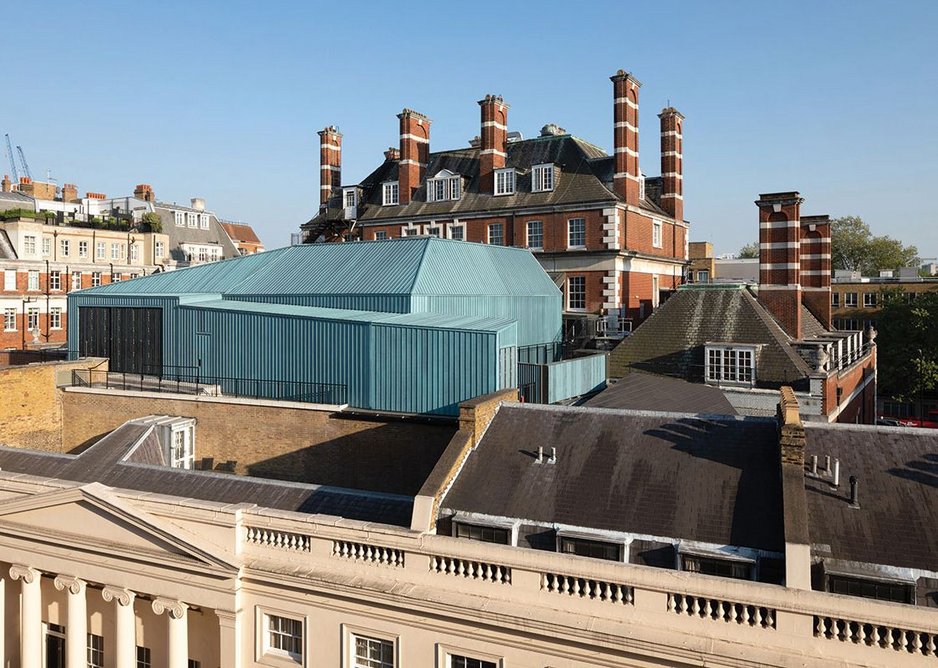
(222, 100)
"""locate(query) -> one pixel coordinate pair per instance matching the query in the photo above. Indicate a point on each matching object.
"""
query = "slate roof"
(192, 235)
(102, 463)
(708, 479)
(587, 177)
(811, 327)
(897, 471)
(651, 392)
(671, 341)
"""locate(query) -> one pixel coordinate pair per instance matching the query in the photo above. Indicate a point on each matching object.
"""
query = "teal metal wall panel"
(575, 377)
(539, 318)
(373, 302)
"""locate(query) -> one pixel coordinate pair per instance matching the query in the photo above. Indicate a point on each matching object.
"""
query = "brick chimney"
(6, 184)
(791, 438)
(816, 266)
(144, 191)
(330, 163)
(69, 192)
(415, 151)
(625, 115)
(780, 258)
(672, 162)
(393, 154)
(493, 148)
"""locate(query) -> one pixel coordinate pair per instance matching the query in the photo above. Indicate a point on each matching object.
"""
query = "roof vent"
(854, 499)
(475, 142)
(552, 130)
(514, 136)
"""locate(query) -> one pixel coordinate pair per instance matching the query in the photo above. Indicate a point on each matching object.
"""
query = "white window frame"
(352, 632)
(455, 187)
(29, 244)
(83, 249)
(505, 181)
(270, 655)
(55, 317)
(723, 366)
(501, 233)
(390, 193)
(835, 299)
(445, 653)
(65, 247)
(182, 447)
(192, 220)
(100, 250)
(115, 251)
(32, 318)
(115, 278)
(410, 231)
(134, 252)
(345, 198)
(32, 280)
(655, 291)
(95, 279)
(9, 280)
(434, 231)
(143, 663)
(542, 178)
(203, 221)
(848, 302)
(381, 235)
(9, 320)
(869, 299)
(703, 276)
(46, 246)
(180, 218)
(158, 250)
(456, 226)
(570, 307)
(570, 233)
(76, 280)
(55, 280)
(657, 234)
(539, 235)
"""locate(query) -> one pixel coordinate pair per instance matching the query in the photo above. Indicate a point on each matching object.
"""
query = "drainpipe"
(48, 281)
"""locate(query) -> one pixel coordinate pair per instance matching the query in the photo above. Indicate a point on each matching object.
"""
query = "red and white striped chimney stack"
(494, 140)
(672, 162)
(330, 163)
(780, 258)
(625, 116)
(415, 152)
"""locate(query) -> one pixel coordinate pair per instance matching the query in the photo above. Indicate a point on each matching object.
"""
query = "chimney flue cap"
(330, 130)
(622, 74)
(552, 130)
(494, 99)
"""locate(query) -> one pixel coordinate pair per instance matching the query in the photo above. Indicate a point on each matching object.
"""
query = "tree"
(854, 248)
(907, 349)
(153, 221)
(750, 250)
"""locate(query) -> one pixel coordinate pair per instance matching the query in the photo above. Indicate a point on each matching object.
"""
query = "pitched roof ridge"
(775, 329)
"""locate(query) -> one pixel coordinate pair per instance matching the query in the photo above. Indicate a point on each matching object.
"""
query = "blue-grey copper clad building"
(414, 325)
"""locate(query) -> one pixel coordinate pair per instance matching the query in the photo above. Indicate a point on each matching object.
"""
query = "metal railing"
(188, 380)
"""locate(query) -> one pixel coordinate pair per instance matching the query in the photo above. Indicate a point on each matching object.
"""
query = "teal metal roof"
(421, 265)
(424, 320)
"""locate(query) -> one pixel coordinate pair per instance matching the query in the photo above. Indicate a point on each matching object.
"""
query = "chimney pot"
(540, 454)
(854, 498)
(836, 473)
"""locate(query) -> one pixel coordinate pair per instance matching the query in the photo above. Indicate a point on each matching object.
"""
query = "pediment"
(445, 174)
(94, 516)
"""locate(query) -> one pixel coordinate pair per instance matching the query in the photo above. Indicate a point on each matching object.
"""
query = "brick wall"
(863, 407)
(31, 405)
(275, 440)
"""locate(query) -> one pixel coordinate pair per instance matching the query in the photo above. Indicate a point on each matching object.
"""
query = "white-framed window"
(115, 278)
(367, 651)
(731, 364)
(869, 299)
(55, 317)
(134, 275)
(444, 186)
(216, 253)
(203, 254)
(576, 293)
(655, 291)
(850, 299)
(433, 231)
(143, 657)
(115, 251)
(497, 234)
(408, 231)
(95, 279)
(656, 237)
(203, 221)
(32, 318)
(65, 247)
(29, 245)
(542, 178)
(350, 197)
(535, 235)
(182, 448)
(76, 280)
(55, 280)
(32, 280)
(390, 193)
(9, 320)
(380, 235)
(100, 249)
(455, 188)
(703, 276)
(95, 651)
(9, 280)
(192, 219)
(134, 252)
(180, 219)
(504, 181)
(459, 659)
(456, 231)
(282, 636)
(576, 233)
(83, 249)
(46, 246)
(835, 299)
(713, 565)
(436, 189)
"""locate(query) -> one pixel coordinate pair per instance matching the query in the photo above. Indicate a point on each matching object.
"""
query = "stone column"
(178, 622)
(125, 655)
(76, 624)
(229, 638)
(30, 615)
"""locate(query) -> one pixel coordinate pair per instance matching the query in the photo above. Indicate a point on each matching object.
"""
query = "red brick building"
(613, 240)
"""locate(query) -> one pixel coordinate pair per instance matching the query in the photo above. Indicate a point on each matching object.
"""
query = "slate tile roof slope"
(650, 392)
(709, 479)
(587, 177)
(811, 327)
(102, 463)
(671, 341)
(897, 469)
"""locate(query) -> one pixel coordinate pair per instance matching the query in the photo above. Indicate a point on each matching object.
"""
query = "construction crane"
(25, 164)
(16, 174)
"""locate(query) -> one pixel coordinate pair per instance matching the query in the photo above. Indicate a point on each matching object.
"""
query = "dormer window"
(733, 364)
(390, 193)
(350, 197)
(542, 178)
(504, 181)
(444, 186)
